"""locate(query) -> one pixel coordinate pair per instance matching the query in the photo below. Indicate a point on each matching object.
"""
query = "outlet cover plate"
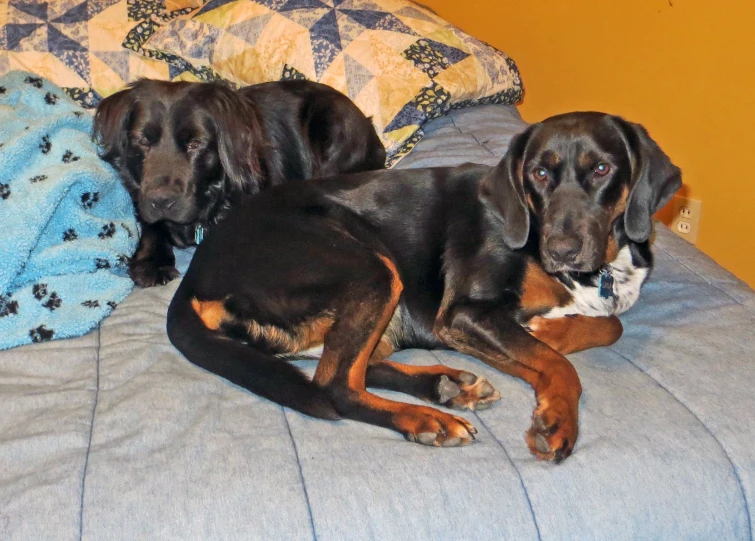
(686, 212)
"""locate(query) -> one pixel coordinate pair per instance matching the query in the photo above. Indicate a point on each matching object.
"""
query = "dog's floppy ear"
(502, 191)
(111, 120)
(239, 135)
(654, 180)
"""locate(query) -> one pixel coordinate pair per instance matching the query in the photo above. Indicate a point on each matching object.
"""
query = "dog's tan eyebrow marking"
(588, 159)
(550, 159)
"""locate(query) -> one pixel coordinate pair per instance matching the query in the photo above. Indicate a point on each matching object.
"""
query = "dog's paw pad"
(478, 394)
(431, 427)
(427, 438)
(554, 431)
(149, 276)
(467, 377)
(446, 389)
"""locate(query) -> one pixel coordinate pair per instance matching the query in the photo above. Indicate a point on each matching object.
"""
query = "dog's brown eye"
(193, 145)
(602, 169)
(142, 141)
(541, 173)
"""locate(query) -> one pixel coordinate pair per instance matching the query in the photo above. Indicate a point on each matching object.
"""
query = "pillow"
(77, 43)
(398, 61)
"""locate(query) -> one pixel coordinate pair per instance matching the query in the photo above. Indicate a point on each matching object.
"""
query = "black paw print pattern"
(128, 230)
(4, 191)
(8, 306)
(39, 291)
(68, 157)
(89, 199)
(38, 178)
(41, 334)
(122, 261)
(45, 146)
(2, 90)
(107, 231)
(78, 113)
(36, 82)
(53, 302)
(101, 263)
(70, 234)
(112, 304)
(91, 304)
(51, 99)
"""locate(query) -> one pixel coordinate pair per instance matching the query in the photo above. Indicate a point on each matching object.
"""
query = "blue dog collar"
(198, 234)
(605, 283)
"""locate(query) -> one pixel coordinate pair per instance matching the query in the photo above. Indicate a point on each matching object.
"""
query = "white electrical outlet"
(686, 218)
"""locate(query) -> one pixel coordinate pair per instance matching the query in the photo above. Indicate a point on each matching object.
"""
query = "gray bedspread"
(114, 436)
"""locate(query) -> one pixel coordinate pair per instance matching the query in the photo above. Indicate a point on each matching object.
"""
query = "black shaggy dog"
(188, 151)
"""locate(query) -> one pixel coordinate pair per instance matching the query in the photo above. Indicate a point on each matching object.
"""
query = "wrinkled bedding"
(114, 436)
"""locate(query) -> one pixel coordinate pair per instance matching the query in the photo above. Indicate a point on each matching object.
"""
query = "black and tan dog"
(188, 151)
(516, 265)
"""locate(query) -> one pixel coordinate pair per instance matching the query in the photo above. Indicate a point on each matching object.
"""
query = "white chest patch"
(587, 301)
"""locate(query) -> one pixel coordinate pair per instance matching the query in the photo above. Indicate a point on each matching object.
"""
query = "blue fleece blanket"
(67, 225)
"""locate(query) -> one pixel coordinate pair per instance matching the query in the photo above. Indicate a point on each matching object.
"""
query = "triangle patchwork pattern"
(16, 33)
(77, 60)
(97, 7)
(357, 76)
(214, 4)
(76, 32)
(17, 16)
(302, 4)
(250, 29)
(55, 37)
(433, 57)
(38, 10)
(57, 41)
(306, 18)
(116, 61)
(275, 5)
(348, 29)
(326, 42)
(378, 20)
(77, 14)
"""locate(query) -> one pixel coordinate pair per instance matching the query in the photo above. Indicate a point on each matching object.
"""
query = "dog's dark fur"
(470, 258)
(188, 151)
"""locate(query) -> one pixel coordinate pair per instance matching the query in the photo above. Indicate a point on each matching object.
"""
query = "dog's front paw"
(554, 428)
(432, 427)
(466, 392)
(147, 274)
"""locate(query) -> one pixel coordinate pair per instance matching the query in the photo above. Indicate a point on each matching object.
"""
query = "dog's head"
(180, 148)
(570, 178)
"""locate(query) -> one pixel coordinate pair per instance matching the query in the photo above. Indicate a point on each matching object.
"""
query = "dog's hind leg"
(439, 384)
(361, 317)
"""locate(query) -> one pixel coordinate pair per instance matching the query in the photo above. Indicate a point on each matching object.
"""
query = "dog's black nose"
(564, 248)
(162, 201)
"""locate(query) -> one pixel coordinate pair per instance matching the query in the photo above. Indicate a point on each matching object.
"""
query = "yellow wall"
(683, 68)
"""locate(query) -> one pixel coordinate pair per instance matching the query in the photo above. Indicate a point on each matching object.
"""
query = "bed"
(115, 436)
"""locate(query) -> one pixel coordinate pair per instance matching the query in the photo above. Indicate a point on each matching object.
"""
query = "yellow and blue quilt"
(77, 44)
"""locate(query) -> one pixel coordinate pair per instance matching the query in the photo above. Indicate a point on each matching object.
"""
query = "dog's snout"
(564, 248)
(161, 199)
